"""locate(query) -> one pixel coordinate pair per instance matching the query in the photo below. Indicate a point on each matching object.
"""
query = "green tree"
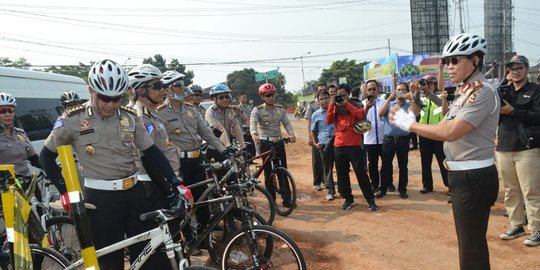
(161, 63)
(243, 82)
(354, 72)
(19, 63)
(80, 70)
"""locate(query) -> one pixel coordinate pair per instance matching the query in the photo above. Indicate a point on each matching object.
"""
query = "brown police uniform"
(15, 148)
(228, 119)
(105, 148)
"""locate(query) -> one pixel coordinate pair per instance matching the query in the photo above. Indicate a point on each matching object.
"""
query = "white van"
(38, 99)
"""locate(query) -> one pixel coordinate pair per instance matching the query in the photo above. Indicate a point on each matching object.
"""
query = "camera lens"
(339, 98)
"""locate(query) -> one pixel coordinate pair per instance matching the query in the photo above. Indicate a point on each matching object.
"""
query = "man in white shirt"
(373, 139)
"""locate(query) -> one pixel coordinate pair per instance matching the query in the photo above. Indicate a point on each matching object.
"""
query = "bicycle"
(280, 181)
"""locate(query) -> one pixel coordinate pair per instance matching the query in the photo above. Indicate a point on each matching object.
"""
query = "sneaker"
(372, 206)
(317, 187)
(403, 195)
(348, 204)
(513, 233)
(287, 203)
(392, 188)
(380, 194)
(534, 239)
(426, 190)
(329, 197)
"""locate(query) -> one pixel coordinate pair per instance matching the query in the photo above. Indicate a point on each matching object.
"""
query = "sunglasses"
(453, 60)
(7, 110)
(155, 86)
(178, 84)
(221, 97)
(108, 99)
(371, 89)
(269, 95)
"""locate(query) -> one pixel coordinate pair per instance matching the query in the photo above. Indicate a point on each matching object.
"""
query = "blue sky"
(208, 36)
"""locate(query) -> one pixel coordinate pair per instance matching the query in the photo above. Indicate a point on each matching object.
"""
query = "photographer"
(518, 152)
(347, 145)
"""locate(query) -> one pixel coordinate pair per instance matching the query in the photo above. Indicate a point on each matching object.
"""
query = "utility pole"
(459, 6)
(303, 77)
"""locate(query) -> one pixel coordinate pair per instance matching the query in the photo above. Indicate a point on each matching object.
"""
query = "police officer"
(223, 117)
(15, 147)
(265, 127)
(246, 108)
(196, 98)
(69, 99)
(468, 132)
(104, 135)
(145, 81)
(187, 129)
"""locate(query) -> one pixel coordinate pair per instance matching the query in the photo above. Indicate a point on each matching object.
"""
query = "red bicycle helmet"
(266, 88)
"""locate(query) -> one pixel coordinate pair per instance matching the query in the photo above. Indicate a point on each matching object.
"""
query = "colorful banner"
(417, 66)
(382, 70)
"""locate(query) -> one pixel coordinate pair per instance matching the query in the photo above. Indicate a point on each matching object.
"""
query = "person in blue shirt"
(323, 137)
(395, 142)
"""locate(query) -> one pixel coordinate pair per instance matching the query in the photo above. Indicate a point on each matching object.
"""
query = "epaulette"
(260, 106)
(236, 108)
(189, 105)
(128, 109)
(148, 113)
(478, 84)
(213, 107)
(279, 106)
(74, 110)
(161, 107)
(20, 130)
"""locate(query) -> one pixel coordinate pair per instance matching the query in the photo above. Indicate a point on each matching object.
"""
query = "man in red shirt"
(348, 146)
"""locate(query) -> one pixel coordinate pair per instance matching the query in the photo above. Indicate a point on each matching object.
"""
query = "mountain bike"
(281, 181)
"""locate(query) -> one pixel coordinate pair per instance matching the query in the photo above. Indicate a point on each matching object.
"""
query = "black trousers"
(428, 148)
(282, 155)
(352, 155)
(117, 214)
(395, 146)
(317, 166)
(250, 145)
(473, 194)
(326, 154)
(193, 172)
(374, 152)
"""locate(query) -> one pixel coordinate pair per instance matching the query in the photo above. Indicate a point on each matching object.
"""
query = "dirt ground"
(415, 233)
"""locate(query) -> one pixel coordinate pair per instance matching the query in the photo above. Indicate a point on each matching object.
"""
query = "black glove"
(229, 151)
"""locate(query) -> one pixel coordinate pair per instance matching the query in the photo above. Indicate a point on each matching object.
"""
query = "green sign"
(272, 74)
(259, 77)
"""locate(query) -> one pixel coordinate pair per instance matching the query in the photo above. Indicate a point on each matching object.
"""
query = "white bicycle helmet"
(108, 78)
(141, 74)
(219, 89)
(464, 44)
(7, 100)
(362, 126)
(195, 88)
(68, 97)
(171, 76)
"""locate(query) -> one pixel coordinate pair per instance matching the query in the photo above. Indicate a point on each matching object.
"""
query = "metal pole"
(303, 78)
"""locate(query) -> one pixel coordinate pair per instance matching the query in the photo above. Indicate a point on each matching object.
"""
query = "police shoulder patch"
(278, 105)
(129, 110)
(161, 107)
(260, 106)
(74, 110)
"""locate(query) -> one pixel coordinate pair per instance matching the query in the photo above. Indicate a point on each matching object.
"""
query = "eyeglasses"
(7, 110)
(516, 70)
(154, 86)
(371, 89)
(108, 99)
(268, 95)
(221, 97)
(453, 60)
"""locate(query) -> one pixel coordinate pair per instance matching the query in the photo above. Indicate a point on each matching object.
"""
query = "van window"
(37, 116)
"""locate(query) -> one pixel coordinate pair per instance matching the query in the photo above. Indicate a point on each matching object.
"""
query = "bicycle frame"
(157, 236)
(270, 157)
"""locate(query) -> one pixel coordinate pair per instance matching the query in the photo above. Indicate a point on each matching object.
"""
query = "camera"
(399, 94)
(504, 92)
(369, 98)
(422, 82)
(338, 99)
(451, 90)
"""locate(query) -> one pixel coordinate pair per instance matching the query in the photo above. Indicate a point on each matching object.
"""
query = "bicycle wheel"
(63, 237)
(261, 201)
(227, 226)
(264, 247)
(47, 259)
(284, 185)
